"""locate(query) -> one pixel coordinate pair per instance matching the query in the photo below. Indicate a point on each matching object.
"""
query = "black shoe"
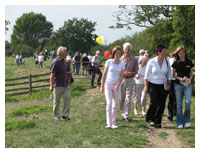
(170, 118)
(123, 119)
(98, 84)
(158, 126)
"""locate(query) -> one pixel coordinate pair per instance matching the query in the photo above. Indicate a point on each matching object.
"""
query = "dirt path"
(171, 141)
(152, 134)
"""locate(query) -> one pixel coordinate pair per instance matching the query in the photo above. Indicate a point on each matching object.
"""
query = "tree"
(142, 15)
(76, 34)
(184, 29)
(170, 25)
(31, 30)
(7, 22)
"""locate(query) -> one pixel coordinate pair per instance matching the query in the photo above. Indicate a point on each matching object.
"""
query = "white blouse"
(155, 74)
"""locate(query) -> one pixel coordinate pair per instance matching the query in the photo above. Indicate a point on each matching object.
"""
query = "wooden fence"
(28, 82)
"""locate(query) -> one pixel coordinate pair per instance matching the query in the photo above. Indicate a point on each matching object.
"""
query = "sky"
(57, 14)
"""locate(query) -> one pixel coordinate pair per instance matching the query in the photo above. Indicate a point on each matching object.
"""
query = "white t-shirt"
(114, 70)
(90, 58)
(155, 74)
(95, 59)
(141, 72)
(17, 56)
(41, 58)
(171, 61)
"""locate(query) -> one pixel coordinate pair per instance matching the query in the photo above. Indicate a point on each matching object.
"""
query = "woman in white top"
(139, 94)
(112, 78)
(158, 72)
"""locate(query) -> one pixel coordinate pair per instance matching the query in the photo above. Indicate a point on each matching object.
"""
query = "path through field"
(171, 141)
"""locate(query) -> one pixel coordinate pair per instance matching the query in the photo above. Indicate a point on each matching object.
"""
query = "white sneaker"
(108, 126)
(135, 112)
(187, 125)
(143, 113)
(114, 126)
(180, 126)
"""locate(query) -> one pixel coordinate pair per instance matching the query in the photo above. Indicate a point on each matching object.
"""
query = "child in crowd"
(140, 96)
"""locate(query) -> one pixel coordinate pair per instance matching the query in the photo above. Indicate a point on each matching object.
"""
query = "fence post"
(30, 83)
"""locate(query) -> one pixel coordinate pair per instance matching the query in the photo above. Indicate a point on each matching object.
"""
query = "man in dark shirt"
(59, 84)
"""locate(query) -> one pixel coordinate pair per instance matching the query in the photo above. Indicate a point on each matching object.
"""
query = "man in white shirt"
(41, 60)
(95, 69)
(17, 59)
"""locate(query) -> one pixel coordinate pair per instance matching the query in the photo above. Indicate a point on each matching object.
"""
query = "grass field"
(34, 126)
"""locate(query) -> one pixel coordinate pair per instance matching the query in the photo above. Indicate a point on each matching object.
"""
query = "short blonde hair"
(61, 50)
(142, 58)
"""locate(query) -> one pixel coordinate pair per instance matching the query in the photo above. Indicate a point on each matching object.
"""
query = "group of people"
(123, 74)
(19, 59)
(90, 65)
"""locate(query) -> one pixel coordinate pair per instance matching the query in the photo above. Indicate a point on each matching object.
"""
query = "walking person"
(172, 97)
(140, 97)
(77, 60)
(96, 64)
(131, 68)
(85, 64)
(112, 78)
(41, 60)
(90, 63)
(157, 73)
(141, 52)
(182, 72)
(59, 84)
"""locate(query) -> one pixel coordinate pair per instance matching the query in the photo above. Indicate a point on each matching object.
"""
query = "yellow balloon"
(99, 40)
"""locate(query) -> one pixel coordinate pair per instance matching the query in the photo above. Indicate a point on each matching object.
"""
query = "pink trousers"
(112, 98)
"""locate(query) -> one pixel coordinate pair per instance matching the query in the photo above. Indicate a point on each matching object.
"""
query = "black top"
(86, 60)
(182, 68)
(59, 67)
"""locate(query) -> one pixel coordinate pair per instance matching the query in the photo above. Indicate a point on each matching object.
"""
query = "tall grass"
(19, 125)
(29, 110)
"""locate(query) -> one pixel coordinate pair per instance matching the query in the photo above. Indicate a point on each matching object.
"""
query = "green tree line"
(167, 24)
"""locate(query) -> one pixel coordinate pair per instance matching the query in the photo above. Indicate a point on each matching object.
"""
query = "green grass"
(86, 129)
(163, 135)
(19, 125)
(27, 110)
(10, 99)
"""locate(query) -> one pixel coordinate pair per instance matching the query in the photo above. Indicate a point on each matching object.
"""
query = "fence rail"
(29, 82)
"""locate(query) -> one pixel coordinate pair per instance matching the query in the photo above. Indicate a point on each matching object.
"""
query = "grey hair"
(98, 52)
(61, 50)
(127, 44)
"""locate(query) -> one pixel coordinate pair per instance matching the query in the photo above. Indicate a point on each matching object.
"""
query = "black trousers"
(158, 97)
(94, 71)
(172, 101)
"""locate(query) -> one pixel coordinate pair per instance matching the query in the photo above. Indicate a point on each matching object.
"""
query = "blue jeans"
(180, 91)
(77, 68)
